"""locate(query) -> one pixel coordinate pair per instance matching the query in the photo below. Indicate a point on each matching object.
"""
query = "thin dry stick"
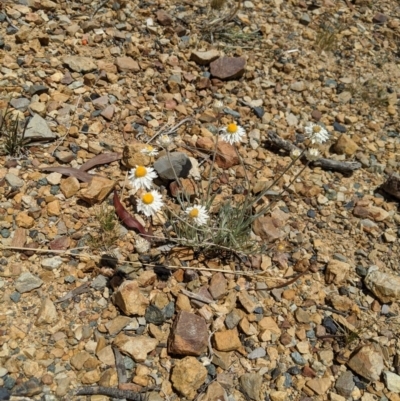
(110, 392)
(171, 130)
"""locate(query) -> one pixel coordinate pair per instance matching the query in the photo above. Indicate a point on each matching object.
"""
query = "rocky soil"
(315, 316)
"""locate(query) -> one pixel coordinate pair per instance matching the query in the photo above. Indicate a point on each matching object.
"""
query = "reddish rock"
(371, 212)
(108, 112)
(316, 115)
(228, 67)
(188, 189)
(203, 83)
(226, 155)
(266, 228)
(189, 335)
(308, 372)
(218, 285)
(345, 146)
(379, 18)
(163, 18)
(60, 244)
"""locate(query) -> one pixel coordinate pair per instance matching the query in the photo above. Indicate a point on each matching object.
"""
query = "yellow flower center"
(148, 198)
(140, 172)
(194, 213)
(231, 128)
(149, 148)
(316, 128)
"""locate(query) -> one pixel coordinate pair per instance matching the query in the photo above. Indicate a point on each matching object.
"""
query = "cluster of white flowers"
(150, 202)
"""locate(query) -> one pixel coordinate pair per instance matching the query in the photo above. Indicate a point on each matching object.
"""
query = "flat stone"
(385, 286)
(97, 190)
(257, 353)
(37, 129)
(137, 347)
(250, 384)
(69, 187)
(336, 271)
(247, 302)
(345, 384)
(106, 356)
(27, 282)
(345, 146)
(187, 376)
(80, 63)
(226, 156)
(132, 155)
(163, 18)
(302, 316)
(367, 362)
(278, 395)
(14, 181)
(20, 103)
(51, 263)
(116, 325)
(127, 64)
(226, 68)
(392, 381)
(319, 386)
(176, 165)
(218, 286)
(108, 112)
(374, 213)
(54, 178)
(215, 392)
(189, 335)
(227, 340)
(47, 313)
(267, 228)
(130, 300)
(204, 58)
(298, 86)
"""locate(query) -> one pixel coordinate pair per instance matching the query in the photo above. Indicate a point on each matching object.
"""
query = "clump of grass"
(327, 36)
(12, 133)
(371, 92)
(106, 230)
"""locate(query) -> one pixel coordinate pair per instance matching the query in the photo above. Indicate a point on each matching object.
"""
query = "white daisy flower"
(150, 203)
(232, 133)
(149, 151)
(198, 214)
(142, 177)
(313, 154)
(295, 154)
(164, 141)
(316, 133)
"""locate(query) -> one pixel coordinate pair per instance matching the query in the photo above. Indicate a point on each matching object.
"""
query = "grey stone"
(14, 181)
(38, 129)
(99, 283)
(297, 358)
(257, 353)
(232, 319)
(27, 282)
(345, 384)
(176, 164)
(38, 89)
(51, 263)
(305, 19)
(79, 63)
(392, 381)
(21, 103)
(250, 384)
